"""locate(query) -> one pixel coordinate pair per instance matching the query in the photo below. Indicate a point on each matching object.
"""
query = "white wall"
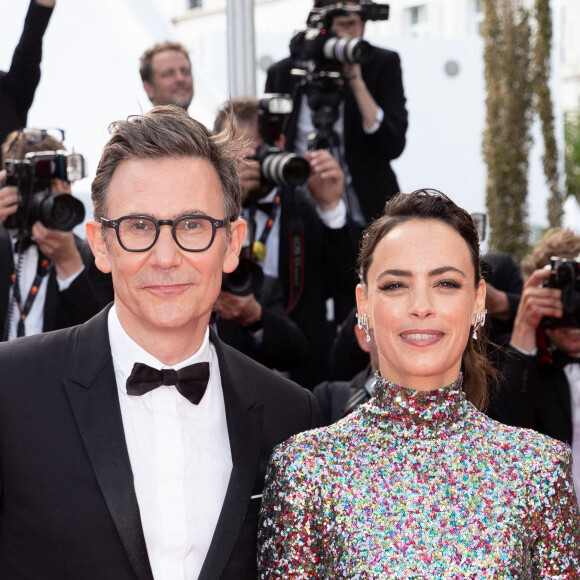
(90, 78)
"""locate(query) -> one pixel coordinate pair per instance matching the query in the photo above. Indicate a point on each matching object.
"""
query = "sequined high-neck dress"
(419, 485)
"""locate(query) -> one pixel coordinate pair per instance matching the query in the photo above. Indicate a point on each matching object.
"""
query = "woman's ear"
(480, 296)
(361, 300)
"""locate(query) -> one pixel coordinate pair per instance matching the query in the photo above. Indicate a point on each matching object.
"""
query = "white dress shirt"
(180, 456)
(572, 372)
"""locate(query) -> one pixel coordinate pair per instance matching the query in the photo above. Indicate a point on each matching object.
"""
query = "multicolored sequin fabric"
(420, 485)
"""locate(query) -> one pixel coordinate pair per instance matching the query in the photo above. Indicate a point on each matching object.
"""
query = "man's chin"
(182, 102)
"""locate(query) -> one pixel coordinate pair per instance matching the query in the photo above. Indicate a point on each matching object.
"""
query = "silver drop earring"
(479, 322)
(363, 324)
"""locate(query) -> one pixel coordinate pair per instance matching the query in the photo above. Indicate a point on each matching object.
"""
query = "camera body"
(277, 167)
(318, 55)
(565, 275)
(32, 176)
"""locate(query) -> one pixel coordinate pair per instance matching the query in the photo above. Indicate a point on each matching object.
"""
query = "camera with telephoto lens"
(277, 167)
(32, 176)
(565, 275)
(318, 55)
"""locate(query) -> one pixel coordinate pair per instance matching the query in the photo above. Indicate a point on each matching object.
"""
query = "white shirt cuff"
(64, 284)
(378, 120)
(526, 352)
(334, 218)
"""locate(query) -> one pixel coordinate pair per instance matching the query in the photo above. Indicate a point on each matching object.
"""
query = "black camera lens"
(285, 169)
(353, 50)
(247, 278)
(57, 212)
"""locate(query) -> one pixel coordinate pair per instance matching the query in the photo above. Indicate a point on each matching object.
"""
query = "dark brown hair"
(243, 109)
(168, 131)
(430, 204)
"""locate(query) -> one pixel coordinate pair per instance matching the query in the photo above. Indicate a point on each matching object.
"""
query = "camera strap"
(296, 265)
(43, 267)
(259, 245)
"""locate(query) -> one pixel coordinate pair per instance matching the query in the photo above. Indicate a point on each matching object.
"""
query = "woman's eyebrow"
(435, 272)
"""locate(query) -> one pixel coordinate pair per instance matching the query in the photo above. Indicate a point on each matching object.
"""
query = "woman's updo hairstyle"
(430, 204)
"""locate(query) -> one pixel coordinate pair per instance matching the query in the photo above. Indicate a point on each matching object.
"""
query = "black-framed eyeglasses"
(192, 233)
(32, 136)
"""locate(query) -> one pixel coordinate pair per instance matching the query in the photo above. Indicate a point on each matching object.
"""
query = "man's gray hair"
(168, 131)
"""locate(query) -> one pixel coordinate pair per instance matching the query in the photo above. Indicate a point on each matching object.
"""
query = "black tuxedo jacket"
(367, 156)
(68, 508)
(533, 395)
(90, 291)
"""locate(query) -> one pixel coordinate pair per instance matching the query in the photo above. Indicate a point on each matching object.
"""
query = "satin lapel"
(92, 392)
(244, 417)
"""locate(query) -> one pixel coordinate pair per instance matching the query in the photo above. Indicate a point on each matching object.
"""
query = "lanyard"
(42, 269)
(259, 246)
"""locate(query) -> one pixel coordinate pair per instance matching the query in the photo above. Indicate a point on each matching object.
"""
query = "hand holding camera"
(326, 179)
(8, 198)
(537, 302)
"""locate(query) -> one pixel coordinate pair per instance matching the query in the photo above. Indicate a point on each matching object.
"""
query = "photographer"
(301, 237)
(47, 277)
(372, 119)
(18, 85)
(542, 381)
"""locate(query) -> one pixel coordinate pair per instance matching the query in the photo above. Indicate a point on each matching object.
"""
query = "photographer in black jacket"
(302, 236)
(48, 279)
(372, 118)
(541, 368)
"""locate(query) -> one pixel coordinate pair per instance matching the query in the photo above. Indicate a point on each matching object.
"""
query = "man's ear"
(149, 89)
(238, 230)
(98, 245)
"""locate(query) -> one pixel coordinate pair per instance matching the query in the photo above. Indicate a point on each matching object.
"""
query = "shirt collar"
(126, 352)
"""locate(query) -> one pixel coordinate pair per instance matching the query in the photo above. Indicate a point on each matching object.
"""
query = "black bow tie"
(561, 359)
(190, 381)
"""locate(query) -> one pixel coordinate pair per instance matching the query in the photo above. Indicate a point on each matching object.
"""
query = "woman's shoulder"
(521, 445)
(323, 443)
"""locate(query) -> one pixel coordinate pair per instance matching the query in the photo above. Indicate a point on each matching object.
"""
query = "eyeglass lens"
(191, 233)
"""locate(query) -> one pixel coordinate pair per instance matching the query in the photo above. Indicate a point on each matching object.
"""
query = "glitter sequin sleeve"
(554, 519)
(419, 486)
(290, 536)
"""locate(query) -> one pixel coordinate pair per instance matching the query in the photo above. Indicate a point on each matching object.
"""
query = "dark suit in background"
(324, 267)
(18, 85)
(533, 395)
(281, 345)
(368, 156)
(67, 497)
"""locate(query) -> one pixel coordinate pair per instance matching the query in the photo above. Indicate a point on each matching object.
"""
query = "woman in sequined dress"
(417, 483)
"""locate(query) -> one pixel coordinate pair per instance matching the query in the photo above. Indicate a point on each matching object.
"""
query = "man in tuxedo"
(135, 445)
(372, 118)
